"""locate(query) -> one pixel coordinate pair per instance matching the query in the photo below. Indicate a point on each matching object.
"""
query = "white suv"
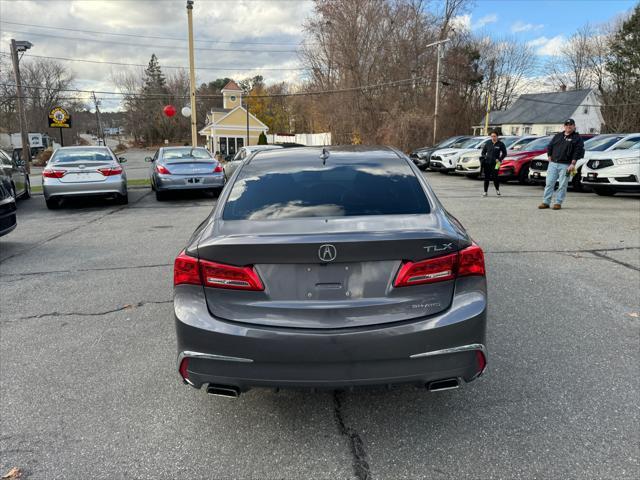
(610, 172)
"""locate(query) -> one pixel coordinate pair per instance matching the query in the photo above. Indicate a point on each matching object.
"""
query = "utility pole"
(435, 113)
(192, 76)
(486, 120)
(246, 102)
(26, 150)
(98, 123)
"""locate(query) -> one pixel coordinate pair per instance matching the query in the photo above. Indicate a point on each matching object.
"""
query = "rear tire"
(604, 191)
(160, 196)
(123, 199)
(52, 203)
(27, 189)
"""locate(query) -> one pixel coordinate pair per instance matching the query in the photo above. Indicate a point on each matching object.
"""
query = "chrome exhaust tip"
(228, 391)
(445, 384)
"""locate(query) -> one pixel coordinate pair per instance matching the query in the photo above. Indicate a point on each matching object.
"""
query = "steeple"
(231, 95)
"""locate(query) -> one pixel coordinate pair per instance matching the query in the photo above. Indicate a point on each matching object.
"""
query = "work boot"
(557, 206)
(542, 206)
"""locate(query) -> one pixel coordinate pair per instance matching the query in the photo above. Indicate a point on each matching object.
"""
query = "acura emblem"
(327, 252)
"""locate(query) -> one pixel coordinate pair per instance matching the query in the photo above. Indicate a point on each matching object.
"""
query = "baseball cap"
(569, 121)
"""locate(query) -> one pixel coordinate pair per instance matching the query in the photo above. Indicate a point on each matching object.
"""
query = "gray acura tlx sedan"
(329, 268)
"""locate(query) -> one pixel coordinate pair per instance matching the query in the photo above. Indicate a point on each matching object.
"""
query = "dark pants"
(490, 173)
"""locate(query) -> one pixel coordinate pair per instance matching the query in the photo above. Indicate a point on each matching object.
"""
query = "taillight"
(108, 171)
(227, 276)
(218, 169)
(481, 360)
(190, 270)
(52, 173)
(163, 170)
(427, 271)
(464, 263)
(186, 270)
(471, 261)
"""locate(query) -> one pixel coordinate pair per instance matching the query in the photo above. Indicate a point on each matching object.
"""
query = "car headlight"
(627, 161)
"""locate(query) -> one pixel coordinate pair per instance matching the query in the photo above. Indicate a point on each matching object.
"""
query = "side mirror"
(122, 159)
(148, 159)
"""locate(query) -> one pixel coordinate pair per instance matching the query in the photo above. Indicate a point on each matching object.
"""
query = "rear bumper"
(418, 351)
(181, 182)
(52, 187)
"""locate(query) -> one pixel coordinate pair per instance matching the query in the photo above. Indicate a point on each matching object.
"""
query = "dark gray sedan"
(329, 268)
(184, 168)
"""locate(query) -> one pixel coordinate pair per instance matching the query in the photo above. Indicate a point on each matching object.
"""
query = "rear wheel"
(604, 191)
(123, 199)
(27, 188)
(52, 203)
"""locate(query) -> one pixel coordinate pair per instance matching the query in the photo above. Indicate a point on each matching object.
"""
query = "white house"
(545, 113)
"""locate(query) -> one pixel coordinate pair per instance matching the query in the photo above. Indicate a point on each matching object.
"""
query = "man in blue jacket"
(564, 150)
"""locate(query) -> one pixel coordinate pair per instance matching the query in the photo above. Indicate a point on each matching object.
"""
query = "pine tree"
(262, 139)
(154, 80)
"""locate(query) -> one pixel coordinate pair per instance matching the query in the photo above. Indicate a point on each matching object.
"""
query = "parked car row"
(14, 185)
(611, 162)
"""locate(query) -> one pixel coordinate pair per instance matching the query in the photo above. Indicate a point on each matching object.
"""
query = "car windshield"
(186, 152)
(471, 142)
(277, 188)
(459, 143)
(508, 141)
(628, 144)
(537, 144)
(448, 142)
(521, 143)
(601, 143)
(81, 155)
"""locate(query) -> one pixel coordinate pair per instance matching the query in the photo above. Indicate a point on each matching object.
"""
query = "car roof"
(355, 153)
(78, 147)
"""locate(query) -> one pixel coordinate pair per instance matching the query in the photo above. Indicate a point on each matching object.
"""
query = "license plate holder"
(592, 175)
(193, 180)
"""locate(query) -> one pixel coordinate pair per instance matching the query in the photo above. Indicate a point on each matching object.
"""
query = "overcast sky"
(250, 23)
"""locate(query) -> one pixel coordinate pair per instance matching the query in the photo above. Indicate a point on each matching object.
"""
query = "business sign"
(59, 118)
(35, 140)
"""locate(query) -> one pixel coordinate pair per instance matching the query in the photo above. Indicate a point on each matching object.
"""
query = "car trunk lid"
(329, 273)
(82, 172)
(191, 167)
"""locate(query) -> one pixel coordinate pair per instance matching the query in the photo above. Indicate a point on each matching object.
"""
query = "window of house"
(585, 109)
(526, 130)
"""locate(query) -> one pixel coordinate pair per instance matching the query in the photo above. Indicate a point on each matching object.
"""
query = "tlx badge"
(438, 248)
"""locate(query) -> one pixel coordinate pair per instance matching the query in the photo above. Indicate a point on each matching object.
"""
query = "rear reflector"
(108, 171)
(184, 368)
(162, 170)
(467, 262)
(190, 270)
(481, 360)
(51, 173)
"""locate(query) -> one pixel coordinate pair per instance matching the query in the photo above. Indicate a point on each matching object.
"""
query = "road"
(89, 389)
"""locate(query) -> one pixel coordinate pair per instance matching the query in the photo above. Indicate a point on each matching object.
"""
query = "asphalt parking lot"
(89, 389)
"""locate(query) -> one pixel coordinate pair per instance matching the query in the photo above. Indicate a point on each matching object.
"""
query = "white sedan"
(610, 172)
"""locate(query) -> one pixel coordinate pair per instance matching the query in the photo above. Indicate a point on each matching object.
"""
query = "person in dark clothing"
(491, 157)
(564, 150)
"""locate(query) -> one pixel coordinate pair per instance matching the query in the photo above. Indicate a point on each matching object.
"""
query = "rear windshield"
(270, 190)
(81, 155)
(187, 152)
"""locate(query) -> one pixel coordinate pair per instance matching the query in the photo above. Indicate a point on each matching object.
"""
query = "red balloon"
(169, 110)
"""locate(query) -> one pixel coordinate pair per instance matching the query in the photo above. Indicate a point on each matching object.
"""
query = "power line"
(105, 62)
(131, 35)
(154, 46)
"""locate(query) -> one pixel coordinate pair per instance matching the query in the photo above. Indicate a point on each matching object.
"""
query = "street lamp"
(21, 46)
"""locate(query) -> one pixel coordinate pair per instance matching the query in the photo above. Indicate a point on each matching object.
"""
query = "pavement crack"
(97, 269)
(92, 314)
(356, 445)
(599, 254)
(589, 250)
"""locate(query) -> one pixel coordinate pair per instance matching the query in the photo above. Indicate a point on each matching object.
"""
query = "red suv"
(516, 164)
